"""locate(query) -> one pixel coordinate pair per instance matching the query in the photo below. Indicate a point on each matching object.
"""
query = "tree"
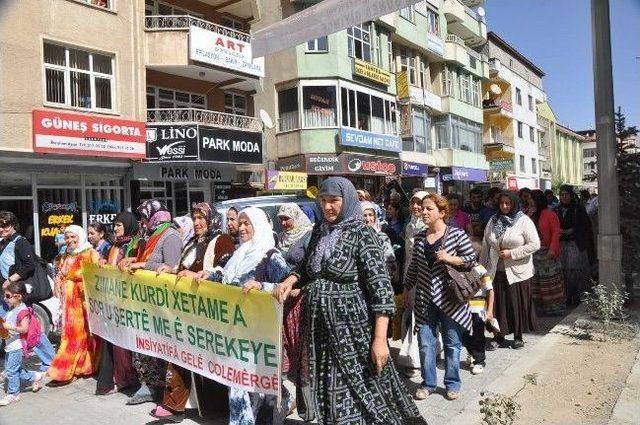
(623, 133)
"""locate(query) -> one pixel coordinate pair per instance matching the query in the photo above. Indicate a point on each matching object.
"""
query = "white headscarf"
(302, 225)
(83, 244)
(368, 205)
(250, 253)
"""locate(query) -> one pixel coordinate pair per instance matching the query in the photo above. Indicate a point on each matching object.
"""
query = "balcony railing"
(490, 103)
(453, 38)
(203, 116)
(182, 22)
(474, 54)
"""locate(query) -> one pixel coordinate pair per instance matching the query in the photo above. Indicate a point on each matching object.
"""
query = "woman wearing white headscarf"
(77, 352)
(256, 264)
(295, 225)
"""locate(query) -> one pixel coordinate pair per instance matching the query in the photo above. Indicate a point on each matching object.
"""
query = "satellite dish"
(480, 11)
(495, 89)
(266, 118)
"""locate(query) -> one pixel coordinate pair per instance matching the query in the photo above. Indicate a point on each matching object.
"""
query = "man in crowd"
(478, 212)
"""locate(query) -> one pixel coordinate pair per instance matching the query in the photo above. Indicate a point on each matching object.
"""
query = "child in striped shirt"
(481, 305)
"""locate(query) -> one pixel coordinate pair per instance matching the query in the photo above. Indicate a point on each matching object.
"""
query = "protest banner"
(211, 329)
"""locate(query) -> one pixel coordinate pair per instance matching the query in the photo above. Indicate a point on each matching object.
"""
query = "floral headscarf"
(185, 223)
(302, 225)
(155, 212)
(367, 205)
(212, 216)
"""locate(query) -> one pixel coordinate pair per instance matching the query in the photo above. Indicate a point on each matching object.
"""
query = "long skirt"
(152, 371)
(547, 289)
(116, 367)
(78, 351)
(575, 269)
(514, 306)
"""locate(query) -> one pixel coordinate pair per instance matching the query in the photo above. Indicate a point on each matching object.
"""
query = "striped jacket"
(432, 281)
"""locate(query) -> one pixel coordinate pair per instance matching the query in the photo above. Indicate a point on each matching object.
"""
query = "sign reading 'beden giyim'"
(210, 329)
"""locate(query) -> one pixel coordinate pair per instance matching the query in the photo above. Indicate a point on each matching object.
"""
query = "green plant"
(500, 409)
(606, 303)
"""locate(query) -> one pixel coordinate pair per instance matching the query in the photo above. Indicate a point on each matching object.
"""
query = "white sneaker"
(37, 382)
(477, 369)
(470, 360)
(8, 399)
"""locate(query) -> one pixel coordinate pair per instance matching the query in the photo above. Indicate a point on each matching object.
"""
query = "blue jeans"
(452, 334)
(4, 308)
(45, 351)
(15, 372)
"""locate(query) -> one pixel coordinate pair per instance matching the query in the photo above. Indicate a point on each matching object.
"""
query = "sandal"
(452, 395)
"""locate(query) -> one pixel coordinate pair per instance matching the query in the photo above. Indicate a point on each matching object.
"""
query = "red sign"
(89, 135)
(370, 165)
(512, 183)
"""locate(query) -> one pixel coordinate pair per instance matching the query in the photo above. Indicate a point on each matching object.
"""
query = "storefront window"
(15, 196)
(288, 109)
(319, 106)
(105, 198)
(15, 184)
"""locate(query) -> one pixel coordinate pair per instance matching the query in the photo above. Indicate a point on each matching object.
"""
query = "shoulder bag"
(463, 283)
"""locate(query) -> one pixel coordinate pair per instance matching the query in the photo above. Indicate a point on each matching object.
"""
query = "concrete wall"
(514, 64)
(24, 24)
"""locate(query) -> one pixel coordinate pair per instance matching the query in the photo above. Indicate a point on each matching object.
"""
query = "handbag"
(38, 284)
(463, 282)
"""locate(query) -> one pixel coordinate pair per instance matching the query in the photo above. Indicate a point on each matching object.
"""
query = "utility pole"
(609, 238)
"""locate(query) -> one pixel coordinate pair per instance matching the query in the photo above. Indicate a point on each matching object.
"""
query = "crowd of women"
(360, 274)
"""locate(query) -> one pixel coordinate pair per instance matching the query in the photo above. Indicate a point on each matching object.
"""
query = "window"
(522, 164)
(367, 112)
(359, 41)
(534, 166)
(472, 62)
(530, 98)
(433, 23)
(107, 4)
(235, 103)
(421, 126)
(288, 109)
(518, 96)
(78, 78)
(318, 45)
(154, 7)
(158, 97)
(232, 23)
(407, 13)
(466, 135)
(319, 106)
(532, 134)
(392, 65)
(448, 81)
(519, 129)
(476, 93)
(465, 89)
(408, 64)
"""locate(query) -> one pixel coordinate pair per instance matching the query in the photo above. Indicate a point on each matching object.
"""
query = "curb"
(627, 408)
(510, 380)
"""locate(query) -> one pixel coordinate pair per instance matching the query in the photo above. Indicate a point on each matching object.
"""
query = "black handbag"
(38, 284)
(463, 283)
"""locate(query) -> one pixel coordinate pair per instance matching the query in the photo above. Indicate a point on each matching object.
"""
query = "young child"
(481, 305)
(21, 334)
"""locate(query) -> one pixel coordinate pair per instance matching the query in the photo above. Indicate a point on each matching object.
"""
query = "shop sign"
(501, 165)
(468, 174)
(435, 44)
(376, 165)
(54, 218)
(402, 85)
(223, 51)
(173, 172)
(172, 142)
(221, 191)
(323, 164)
(368, 140)
(103, 211)
(226, 145)
(414, 169)
(292, 163)
(371, 72)
(87, 135)
(286, 180)
(405, 120)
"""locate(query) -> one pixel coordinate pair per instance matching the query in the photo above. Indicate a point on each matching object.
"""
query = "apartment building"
(106, 102)
(510, 132)
(371, 102)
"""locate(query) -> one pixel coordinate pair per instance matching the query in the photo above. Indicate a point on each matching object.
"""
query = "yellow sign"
(371, 72)
(402, 85)
(208, 328)
(286, 180)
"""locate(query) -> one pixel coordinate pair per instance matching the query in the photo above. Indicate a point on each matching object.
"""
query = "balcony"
(203, 116)
(455, 50)
(191, 47)
(497, 106)
(465, 22)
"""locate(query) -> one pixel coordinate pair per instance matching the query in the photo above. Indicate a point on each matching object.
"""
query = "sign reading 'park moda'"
(213, 330)
(227, 145)
(369, 140)
(87, 135)
(226, 52)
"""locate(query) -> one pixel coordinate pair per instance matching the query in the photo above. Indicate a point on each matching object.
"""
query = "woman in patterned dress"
(347, 301)
(78, 349)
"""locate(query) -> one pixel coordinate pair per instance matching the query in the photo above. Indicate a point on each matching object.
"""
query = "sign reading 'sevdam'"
(211, 329)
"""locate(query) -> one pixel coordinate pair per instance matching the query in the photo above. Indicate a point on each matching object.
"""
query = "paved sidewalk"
(75, 403)
(627, 408)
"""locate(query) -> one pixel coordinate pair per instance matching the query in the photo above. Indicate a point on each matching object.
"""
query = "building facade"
(372, 101)
(511, 130)
(161, 107)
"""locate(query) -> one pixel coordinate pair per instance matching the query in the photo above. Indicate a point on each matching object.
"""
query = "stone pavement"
(76, 404)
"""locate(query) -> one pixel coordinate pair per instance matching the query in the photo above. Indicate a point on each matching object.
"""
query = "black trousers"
(475, 342)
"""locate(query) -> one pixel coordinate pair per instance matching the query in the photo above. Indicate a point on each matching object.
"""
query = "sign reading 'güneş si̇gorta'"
(369, 140)
(223, 51)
